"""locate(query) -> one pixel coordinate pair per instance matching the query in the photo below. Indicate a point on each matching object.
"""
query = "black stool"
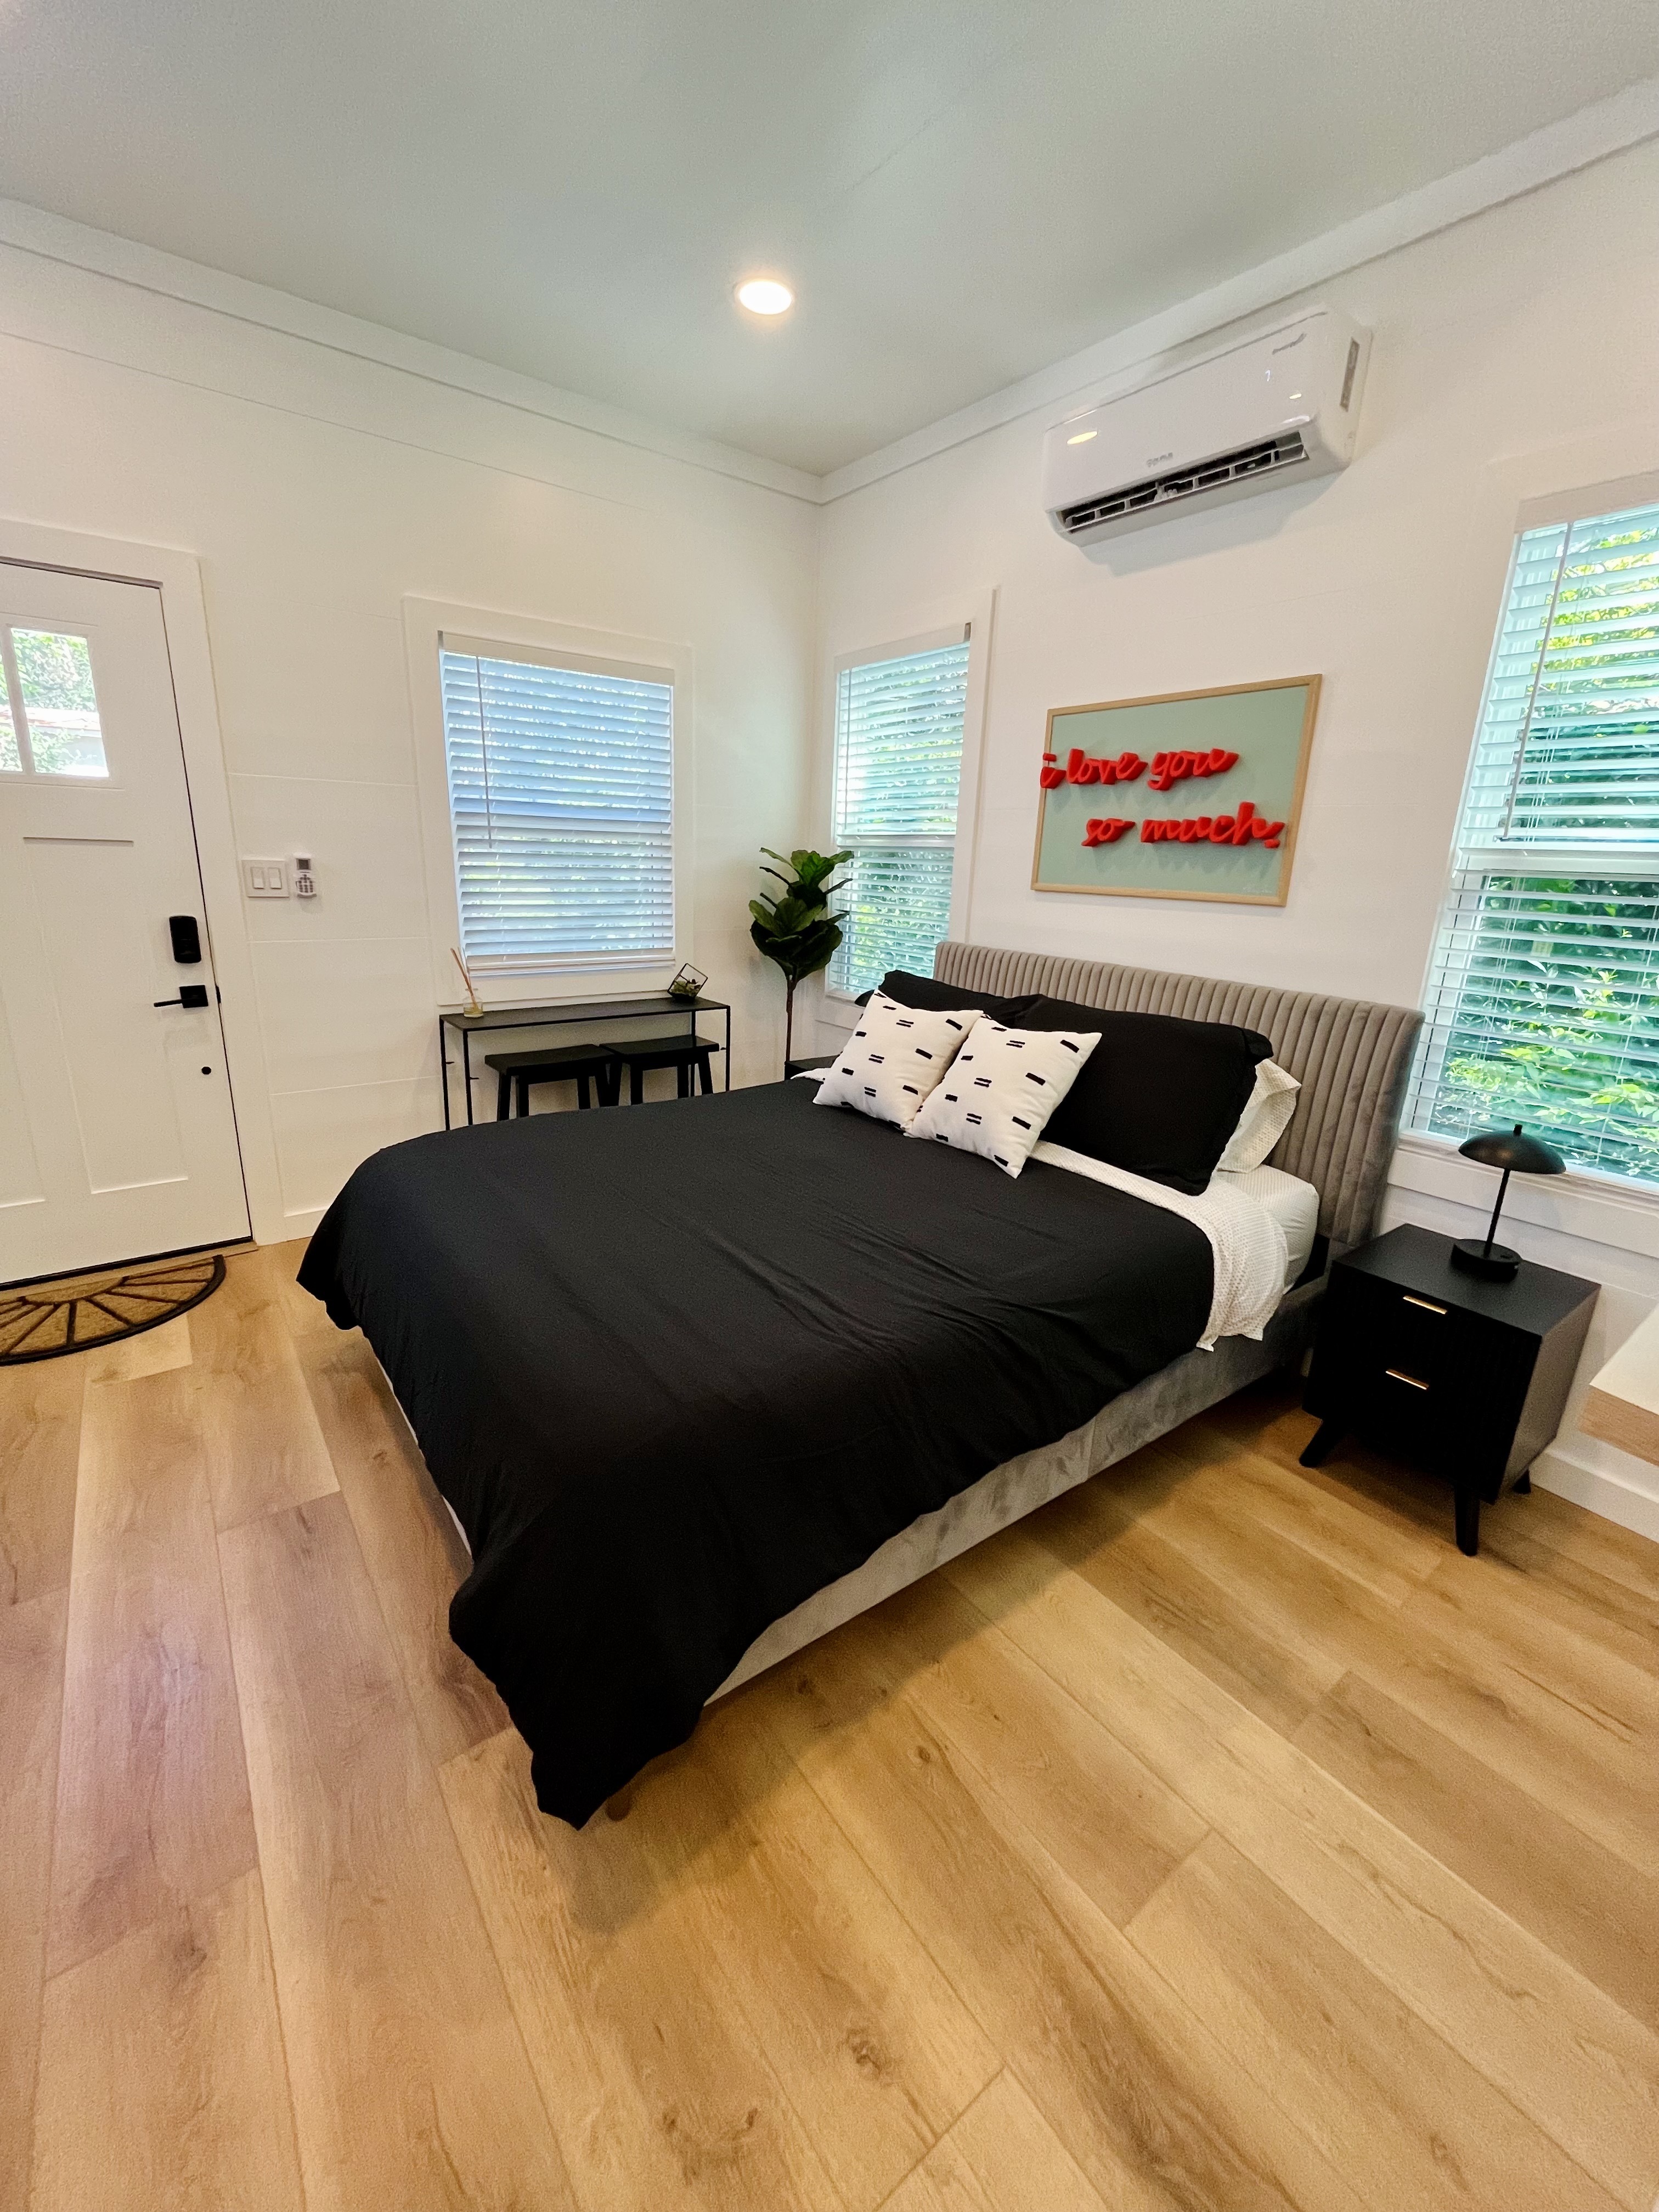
(681, 1054)
(516, 1071)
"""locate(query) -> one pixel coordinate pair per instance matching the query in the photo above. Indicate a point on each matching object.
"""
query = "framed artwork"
(1192, 795)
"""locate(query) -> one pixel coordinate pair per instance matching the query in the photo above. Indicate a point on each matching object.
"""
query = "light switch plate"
(265, 878)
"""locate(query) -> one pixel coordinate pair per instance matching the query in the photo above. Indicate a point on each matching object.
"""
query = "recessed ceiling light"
(1082, 437)
(764, 295)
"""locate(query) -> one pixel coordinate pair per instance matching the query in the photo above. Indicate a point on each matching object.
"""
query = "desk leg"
(466, 1070)
(443, 1068)
(728, 1047)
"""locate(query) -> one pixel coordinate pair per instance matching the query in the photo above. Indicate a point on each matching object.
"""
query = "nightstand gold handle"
(1394, 1374)
(1427, 1304)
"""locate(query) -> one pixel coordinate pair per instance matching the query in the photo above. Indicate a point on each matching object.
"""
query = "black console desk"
(615, 1012)
(1467, 1379)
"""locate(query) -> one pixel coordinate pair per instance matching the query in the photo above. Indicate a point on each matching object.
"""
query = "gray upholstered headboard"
(1351, 1059)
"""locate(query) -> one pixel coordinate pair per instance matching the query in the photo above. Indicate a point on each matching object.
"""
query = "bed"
(700, 1382)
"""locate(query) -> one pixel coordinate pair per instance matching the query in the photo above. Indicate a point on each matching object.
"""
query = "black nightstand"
(1465, 1377)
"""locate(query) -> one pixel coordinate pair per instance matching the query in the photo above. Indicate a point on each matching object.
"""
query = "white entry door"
(117, 1139)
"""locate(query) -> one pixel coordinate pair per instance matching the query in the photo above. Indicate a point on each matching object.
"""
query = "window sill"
(581, 964)
(1600, 1209)
(535, 987)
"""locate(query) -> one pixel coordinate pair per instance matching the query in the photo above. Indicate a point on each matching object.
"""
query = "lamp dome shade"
(1514, 1152)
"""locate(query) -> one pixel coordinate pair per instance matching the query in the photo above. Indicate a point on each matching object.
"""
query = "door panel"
(103, 983)
(20, 1171)
(115, 1112)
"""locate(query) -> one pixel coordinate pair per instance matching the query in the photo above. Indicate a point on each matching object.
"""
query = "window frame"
(932, 629)
(427, 624)
(1585, 1202)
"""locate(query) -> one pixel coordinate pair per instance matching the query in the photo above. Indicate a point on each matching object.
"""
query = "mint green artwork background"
(1264, 728)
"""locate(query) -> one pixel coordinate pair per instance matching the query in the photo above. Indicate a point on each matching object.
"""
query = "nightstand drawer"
(1421, 1415)
(1391, 1328)
(1431, 1418)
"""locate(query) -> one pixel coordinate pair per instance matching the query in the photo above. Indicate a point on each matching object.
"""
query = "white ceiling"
(962, 190)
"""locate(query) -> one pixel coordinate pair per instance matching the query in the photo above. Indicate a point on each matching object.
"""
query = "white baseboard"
(1597, 1490)
(299, 1223)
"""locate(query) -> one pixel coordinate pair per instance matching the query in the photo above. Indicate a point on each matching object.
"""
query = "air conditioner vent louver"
(1267, 457)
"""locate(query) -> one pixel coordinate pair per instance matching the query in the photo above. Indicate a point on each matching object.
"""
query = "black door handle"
(190, 994)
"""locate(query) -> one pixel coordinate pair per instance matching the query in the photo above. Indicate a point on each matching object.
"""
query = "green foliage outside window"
(1557, 1022)
(54, 674)
(1541, 998)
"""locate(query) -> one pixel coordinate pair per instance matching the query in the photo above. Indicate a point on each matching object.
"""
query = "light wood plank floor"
(1220, 1837)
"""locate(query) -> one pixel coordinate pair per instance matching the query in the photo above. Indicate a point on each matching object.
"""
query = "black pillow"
(1158, 1095)
(930, 996)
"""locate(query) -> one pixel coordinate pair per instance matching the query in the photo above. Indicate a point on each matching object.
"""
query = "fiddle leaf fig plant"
(794, 927)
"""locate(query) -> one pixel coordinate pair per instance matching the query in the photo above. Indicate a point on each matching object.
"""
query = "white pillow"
(1267, 1115)
(893, 1059)
(1000, 1089)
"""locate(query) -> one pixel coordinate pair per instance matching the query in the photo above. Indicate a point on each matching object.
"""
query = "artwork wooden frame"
(1165, 749)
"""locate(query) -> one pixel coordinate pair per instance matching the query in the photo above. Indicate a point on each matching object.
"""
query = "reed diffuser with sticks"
(474, 1004)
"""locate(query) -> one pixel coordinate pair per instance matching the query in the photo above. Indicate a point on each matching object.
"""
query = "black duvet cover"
(677, 1367)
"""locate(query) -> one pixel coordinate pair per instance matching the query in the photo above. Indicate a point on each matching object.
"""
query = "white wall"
(1515, 356)
(317, 491)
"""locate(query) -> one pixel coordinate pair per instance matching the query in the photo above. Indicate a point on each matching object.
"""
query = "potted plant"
(794, 927)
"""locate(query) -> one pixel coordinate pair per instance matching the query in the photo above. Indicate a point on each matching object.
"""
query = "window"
(897, 769)
(1541, 1001)
(560, 795)
(49, 722)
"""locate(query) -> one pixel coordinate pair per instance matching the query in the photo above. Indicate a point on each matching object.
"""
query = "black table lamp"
(1517, 1154)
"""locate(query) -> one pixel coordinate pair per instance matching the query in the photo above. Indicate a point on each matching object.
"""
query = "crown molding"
(1590, 135)
(78, 245)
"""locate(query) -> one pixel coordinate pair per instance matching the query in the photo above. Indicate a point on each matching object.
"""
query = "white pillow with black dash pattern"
(1000, 1089)
(893, 1059)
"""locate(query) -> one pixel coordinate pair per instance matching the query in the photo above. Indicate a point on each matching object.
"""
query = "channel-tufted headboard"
(1351, 1059)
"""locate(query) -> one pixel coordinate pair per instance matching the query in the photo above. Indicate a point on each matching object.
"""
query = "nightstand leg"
(1322, 1442)
(1468, 1502)
(1524, 1481)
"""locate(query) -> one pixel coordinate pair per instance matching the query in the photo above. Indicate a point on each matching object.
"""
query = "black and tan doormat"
(46, 1320)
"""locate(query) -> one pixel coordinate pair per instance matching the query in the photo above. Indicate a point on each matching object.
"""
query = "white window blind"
(1541, 1003)
(898, 764)
(561, 791)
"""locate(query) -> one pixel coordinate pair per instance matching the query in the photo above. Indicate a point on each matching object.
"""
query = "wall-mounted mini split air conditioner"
(1276, 409)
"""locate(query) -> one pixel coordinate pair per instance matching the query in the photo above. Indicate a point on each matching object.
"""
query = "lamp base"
(1496, 1264)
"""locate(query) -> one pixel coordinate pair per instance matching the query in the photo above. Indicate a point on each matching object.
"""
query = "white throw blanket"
(1248, 1244)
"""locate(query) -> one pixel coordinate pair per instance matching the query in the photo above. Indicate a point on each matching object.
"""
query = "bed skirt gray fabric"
(1162, 1403)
